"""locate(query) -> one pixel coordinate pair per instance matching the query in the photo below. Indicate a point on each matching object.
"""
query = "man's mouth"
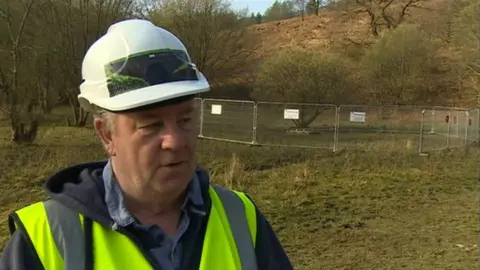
(174, 164)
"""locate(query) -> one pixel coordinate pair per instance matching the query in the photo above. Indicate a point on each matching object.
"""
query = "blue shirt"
(165, 250)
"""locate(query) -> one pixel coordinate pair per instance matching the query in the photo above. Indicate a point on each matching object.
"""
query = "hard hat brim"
(147, 95)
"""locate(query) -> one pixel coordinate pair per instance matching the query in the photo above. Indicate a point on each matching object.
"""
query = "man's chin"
(171, 184)
(181, 173)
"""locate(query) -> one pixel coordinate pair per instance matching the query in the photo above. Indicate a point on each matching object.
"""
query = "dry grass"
(312, 32)
(350, 210)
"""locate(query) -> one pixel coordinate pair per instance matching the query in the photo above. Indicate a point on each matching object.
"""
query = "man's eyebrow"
(188, 110)
(150, 116)
(147, 117)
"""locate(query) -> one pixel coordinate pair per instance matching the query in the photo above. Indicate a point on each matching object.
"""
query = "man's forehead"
(185, 107)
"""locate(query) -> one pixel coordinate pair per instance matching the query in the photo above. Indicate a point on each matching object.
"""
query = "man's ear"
(105, 133)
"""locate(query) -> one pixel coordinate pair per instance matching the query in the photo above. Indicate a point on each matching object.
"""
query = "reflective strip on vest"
(67, 231)
(235, 212)
(57, 236)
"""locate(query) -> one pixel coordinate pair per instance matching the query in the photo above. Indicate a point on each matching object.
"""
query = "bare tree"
(16, 102)
(216, 37)
(302, 5)
(382, 13)
(406, 66)
(301, 76)
(144, 8)
(74, 25)
(465, 37)
(313, 6)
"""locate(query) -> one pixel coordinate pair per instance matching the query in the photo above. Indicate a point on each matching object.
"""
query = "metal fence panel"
(296, 124)
(378, 127)
(229, 120)
(331, 127)
(473, 128)
(459, 128)
(435, 129)
(198, 113)
(444, 128)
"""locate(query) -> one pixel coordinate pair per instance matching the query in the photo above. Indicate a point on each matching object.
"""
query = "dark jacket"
(80, 187)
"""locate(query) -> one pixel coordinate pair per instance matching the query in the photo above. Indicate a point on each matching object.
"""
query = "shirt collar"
(115, 201)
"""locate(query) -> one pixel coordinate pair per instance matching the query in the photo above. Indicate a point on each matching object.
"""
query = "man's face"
(155, 149)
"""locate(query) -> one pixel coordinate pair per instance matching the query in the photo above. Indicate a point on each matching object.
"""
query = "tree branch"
(19, 35)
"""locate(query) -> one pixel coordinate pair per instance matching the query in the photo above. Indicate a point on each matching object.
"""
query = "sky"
(253, 5)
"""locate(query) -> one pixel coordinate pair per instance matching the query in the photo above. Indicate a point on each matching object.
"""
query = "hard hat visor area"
(148, 69)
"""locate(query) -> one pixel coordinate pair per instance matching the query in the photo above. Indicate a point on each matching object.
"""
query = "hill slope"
(332, 29)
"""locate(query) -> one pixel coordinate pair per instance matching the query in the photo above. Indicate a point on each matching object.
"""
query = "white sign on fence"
(291, 114)
(358, 117)
(216, 109)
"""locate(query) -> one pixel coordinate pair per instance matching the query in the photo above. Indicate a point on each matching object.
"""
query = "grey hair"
(108, 118)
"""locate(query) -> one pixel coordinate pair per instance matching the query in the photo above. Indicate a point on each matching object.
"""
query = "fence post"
(455, 125)
(432, 128)
(449, 127)
(337, 126)
(477, 124)
(467, 116)
(458, 125)
(420, 141)
(335, 129)
(255, 112)
(202, 103)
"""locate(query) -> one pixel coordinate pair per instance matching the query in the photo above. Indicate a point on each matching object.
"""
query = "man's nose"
(173, 138)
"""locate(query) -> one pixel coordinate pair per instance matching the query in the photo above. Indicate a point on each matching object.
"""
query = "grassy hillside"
(350, 210)
(333, 29)
(347, 34)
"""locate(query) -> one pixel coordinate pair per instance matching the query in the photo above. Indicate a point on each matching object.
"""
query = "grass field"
(344, 210)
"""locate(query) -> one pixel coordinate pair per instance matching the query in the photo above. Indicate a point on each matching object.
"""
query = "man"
(149, 206)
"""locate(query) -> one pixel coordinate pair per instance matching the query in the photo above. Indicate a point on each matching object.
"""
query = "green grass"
(385, 209)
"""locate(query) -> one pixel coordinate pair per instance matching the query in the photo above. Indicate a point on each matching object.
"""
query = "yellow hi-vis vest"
(58, 236)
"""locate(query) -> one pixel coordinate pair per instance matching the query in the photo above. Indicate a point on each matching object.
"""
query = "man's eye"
(151, 127)
(147, 126)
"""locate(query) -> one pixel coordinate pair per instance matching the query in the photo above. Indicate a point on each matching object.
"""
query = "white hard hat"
(136, 64)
